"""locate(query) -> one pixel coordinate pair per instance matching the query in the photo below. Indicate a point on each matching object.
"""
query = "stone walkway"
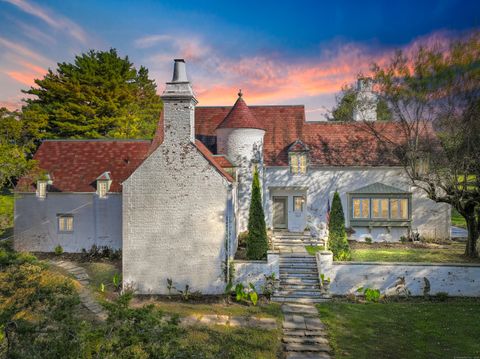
(86, 297)
(304, 335)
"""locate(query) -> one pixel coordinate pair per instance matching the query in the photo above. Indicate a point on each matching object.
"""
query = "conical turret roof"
(240, 116)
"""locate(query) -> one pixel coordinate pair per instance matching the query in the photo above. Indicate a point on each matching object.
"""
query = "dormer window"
(103, 184)
(298, 157)
(42, 189)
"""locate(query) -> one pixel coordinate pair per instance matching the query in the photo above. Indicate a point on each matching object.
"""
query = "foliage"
(245, 294)
(169, 285)
(99, 252)
(58, 250)
(17, 141)
(257, 240)
(98, 95)
(312, 250)
(117, 281)
(412, 328)
(371, 295)
(337, 237)
(6, 214)
(434, 93)
(270, 285)
(442, 296)
(346, 103)
(368, 240)
(324, 281)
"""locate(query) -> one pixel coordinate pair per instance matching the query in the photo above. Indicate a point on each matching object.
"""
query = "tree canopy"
(434, 95)
(98, 95)
(346, 102)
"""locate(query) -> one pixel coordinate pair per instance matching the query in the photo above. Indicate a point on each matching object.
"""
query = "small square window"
(41, 189)
(298, 163)
(65, 223)
(298, 202)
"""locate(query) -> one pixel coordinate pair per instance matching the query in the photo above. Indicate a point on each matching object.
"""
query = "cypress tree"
(337, 237)
(257, 242)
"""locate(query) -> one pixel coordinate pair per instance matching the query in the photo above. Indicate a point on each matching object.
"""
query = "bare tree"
(434, 97)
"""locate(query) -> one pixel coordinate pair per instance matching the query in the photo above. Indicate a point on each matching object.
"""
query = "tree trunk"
(473, 233)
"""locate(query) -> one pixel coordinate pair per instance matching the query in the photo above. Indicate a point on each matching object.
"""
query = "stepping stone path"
(304, 335)
(86, 297)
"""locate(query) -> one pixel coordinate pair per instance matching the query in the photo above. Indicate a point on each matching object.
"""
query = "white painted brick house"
(176, 204)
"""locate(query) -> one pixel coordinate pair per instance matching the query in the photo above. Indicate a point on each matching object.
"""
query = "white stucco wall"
(243, 146)
(174, 212)
(347, 277)
(96, 221)
(247, 272)
(429, 218)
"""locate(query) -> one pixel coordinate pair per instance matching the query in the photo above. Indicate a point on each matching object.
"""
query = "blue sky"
(278, 52)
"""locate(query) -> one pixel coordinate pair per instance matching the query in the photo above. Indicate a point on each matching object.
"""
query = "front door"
(280, 219)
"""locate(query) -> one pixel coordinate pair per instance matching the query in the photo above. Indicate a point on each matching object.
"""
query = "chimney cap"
(179, 71)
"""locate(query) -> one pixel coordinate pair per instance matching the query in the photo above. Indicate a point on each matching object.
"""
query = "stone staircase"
(285, 241)
(299, 279)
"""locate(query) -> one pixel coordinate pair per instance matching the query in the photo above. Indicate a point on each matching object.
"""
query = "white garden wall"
(254, 271)
(347, 277)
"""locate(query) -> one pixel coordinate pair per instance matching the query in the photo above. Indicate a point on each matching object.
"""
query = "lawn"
(6, 214)
(443, 254)
(410, 329)
(457, 219)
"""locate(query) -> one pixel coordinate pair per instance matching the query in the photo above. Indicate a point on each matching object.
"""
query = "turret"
(240, 138)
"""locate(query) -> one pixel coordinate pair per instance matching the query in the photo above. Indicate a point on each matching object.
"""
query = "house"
(176, 204)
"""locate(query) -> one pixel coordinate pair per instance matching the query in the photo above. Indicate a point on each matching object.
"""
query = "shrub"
(257, 241)
(368, 240)
(337, 237)
(58, 250)
(442, 296)
(99, 252)
(371, 295)
(270, 285)
(242, 239)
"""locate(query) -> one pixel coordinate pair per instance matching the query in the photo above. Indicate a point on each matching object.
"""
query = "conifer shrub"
(257, 240)
(337, 237)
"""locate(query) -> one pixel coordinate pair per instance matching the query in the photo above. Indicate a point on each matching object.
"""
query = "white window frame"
(301, 162)
(65, 223)
(102, 188)
(42, 188)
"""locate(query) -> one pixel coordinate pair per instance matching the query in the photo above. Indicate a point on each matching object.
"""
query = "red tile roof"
(213, 160)
(74, 165)
(240, 116)
(330, 143)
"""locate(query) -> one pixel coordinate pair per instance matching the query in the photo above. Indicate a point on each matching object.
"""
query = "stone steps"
(289, 299)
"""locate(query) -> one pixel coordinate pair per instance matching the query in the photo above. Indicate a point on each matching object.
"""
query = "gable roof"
(240, 116)
(329, 143)
(75, 165)
(379, 188)
(213, 160)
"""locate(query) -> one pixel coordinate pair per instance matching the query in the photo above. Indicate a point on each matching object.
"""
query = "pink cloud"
(54, 20)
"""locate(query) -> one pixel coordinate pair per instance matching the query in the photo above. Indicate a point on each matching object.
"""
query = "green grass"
(100, 272)
(413, 329)
(457, 219)
(6, 214)
(312, 250)
(452, 254)
(236, 343)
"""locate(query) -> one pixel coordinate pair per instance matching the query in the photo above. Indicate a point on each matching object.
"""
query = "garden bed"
(412, 328)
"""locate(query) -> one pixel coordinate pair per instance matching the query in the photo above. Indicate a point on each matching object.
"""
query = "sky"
(277, 52)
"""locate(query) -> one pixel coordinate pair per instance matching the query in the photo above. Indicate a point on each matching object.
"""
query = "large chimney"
(366, 105)
(179, 107)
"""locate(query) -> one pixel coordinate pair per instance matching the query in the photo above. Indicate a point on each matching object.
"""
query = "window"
(41, 189)
(65, 223)
(298, 163)
(379, 207)
(361, 208)
(298, 202)
(102, 188)
(399, 208)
